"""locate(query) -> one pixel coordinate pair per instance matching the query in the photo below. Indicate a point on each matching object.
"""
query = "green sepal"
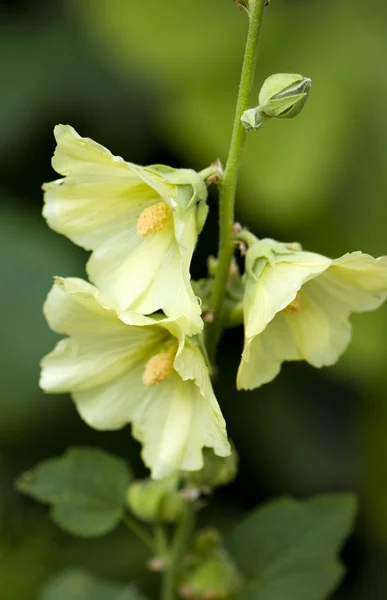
(155, 501)
(216, 471)
(212, 574)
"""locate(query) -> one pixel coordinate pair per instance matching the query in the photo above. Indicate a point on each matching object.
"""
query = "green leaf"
(79, 585)
(287, 549)
(86, 489)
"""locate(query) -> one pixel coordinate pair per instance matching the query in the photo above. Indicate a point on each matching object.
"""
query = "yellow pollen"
(294, 306)
(159, 367)
(153, 219)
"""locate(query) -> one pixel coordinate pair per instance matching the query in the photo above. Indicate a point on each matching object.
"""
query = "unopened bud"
(216, 471)
(213, 575)
(155, 501)
(252, 119)
(283, 95)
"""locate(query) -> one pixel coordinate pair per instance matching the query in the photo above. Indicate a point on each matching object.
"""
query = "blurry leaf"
(79, 585)
(27, 548)
(86, 488)
(288, 549)
(32, 255)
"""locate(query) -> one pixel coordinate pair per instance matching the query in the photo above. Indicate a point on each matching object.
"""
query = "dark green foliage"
(85, 487)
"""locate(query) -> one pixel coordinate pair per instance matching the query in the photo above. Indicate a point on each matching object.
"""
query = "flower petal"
(263, 354)
(321, 327)
(277, 286)
(98, 204)
(172, 419)
(358, 280)
(101, 346)
(100, 191)
(210, 424)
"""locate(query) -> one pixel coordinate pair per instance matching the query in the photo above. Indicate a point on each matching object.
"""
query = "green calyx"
(212, 573)
(155, 501)
(216, 471)
(282, 96)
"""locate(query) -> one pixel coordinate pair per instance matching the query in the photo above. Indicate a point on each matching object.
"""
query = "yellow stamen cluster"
(153, 219)
(294, 306)
(159, 367)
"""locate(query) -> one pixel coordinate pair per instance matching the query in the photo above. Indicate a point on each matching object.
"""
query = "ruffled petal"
(320, 328)
(173, 422)
(101, 347)
(113, 404)
(276, 287)
(209, 423)
(98, 204)
(358, 280)
(263, 354)
(167, 285)
(100, 194)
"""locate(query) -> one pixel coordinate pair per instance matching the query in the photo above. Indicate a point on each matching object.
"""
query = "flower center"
(294, 306)
(153, 219)
(159, 367)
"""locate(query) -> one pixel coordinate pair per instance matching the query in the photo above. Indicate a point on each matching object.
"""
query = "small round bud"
(252, 119)
(283, 95)
(213, 575)
(216, 471)
(155, 501)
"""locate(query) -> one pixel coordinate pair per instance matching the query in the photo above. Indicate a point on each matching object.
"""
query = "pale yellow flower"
(128, 368)
(297, 306)
(140, 222)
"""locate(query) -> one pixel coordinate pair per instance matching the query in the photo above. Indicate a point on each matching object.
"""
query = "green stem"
(139, 531)
(179, 545)
(161, 541)
(228, 188)
(214, 169)
(247, 237)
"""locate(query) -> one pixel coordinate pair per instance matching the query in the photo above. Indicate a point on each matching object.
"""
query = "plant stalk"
(179, 545)
(139, 531)
(228, 187)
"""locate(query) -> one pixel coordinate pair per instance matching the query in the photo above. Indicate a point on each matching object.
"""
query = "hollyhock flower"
(297, 306)
(140, 222)
(129, 368)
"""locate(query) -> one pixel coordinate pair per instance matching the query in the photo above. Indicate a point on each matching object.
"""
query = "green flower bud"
(155, 500)
(213, 575)
(252, 119)
(283, 95)
(216, 470)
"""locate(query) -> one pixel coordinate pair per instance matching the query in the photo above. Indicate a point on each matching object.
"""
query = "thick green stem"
(228, 188)
(179, 545)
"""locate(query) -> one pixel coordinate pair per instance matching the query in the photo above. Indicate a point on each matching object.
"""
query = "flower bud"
(252, 119)
(213, 575)
(216, 470)
(283, 95)
(155, 500)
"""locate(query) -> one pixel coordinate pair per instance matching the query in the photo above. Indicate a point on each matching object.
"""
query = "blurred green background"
(156, 82)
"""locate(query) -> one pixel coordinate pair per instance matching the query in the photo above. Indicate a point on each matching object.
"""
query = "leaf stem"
(228, 188)
(179, 544)
(139, 531)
